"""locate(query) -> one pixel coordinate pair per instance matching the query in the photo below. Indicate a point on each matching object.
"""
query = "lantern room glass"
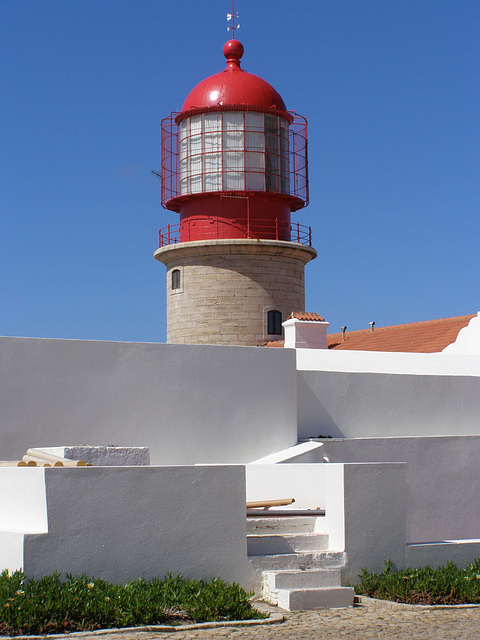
(234, 151)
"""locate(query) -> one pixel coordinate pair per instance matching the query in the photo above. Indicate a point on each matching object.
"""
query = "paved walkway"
(355, 623)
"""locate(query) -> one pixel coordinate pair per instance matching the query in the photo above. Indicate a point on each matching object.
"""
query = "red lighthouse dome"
(234, 159)
(233, 86)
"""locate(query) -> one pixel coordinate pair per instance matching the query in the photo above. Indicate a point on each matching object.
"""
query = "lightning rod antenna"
(231, 17)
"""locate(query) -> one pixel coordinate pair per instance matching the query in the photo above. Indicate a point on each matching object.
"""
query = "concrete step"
(269, 544)
(295, 561)
(326, 598)
(301, 579)
(281, 525)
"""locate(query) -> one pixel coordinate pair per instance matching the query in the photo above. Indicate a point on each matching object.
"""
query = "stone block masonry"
(228, 287)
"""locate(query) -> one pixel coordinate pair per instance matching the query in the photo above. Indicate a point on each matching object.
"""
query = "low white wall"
(375, 516)
(304, 482)
(23, 506)
(443, 483)
(366, 515)
(11, 551)
(122, 523)
(436, 555)
(189, 404)
(367, 506)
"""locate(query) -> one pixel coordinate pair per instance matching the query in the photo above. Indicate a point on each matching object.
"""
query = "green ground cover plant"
(52, 605)
(446, 585)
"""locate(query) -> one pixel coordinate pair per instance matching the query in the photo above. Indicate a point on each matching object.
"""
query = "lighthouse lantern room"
(234, 166)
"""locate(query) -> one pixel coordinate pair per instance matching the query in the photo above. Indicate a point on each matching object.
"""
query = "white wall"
(368, 504)
(436, 555)
(23, 506)
(443, 483)
(303, 482)
(121, 523)
(365, 515)
(375, 516)
(11, 551)
(303, 452)
(434, 364)
(188, 404)
(468, 339)
(355, 404)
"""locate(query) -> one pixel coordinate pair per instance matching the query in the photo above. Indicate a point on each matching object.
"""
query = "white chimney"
(305, 331)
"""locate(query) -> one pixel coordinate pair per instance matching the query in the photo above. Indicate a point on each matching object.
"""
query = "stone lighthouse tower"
(234, 166)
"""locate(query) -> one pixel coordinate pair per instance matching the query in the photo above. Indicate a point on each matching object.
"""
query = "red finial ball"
(233, 50)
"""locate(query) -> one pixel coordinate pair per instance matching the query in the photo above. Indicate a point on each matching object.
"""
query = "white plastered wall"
(122, 523)
(305, 483)
(365, 504)
(188, 403)
(468, 339)
(23, 506)
(462, 553)
(366, 515)
(23, 509)
(443, 483)
(364, 394)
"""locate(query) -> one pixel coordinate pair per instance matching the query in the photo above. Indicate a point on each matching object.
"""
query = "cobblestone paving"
(359, 623)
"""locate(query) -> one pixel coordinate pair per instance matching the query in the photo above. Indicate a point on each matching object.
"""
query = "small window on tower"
(274, 323)
(176, 279)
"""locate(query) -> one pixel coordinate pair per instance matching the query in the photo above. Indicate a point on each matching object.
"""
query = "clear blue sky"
(391, 91)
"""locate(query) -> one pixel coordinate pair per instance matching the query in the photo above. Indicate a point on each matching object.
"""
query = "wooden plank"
(265, 504)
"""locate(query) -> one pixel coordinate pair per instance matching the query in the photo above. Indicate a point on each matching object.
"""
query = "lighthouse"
(234, 167)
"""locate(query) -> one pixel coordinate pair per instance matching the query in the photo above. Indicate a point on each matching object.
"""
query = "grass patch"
(51, 605)
(446, 585)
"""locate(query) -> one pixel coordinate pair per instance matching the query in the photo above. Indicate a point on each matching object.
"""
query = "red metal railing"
(212, 229)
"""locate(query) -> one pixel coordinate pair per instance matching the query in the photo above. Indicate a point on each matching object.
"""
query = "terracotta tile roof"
(275, 343)
(305, 315)
(420, 337)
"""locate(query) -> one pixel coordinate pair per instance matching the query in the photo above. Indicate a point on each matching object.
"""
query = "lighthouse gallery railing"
(267, 230)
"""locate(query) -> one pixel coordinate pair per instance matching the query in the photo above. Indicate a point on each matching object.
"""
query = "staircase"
(294, 567)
